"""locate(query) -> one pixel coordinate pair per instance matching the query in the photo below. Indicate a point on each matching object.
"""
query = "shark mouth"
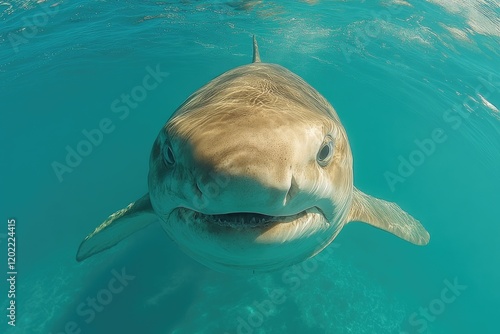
(238, 220)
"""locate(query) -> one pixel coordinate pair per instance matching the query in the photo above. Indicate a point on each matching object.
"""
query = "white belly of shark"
(253, 172)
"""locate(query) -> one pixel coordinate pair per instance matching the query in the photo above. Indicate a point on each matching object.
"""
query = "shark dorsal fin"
(256, 55)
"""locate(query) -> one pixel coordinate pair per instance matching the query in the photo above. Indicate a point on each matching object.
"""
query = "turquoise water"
(416, 84)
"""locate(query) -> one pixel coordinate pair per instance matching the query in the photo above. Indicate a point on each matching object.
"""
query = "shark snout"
(244, 168)
(221, 192)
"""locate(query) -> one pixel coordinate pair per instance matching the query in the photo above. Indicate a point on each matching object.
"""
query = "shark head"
(253, 172)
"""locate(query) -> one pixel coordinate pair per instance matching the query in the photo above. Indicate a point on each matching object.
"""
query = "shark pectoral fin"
(117, 227)
(388, 217)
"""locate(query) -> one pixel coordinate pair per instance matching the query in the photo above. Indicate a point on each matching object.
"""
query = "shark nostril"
(292, 191)
(198, 190)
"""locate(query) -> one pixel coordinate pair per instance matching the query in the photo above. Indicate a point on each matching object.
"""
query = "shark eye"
(168, 156)
(325, 153)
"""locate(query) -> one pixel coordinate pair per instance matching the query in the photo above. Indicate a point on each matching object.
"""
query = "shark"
(253, 172)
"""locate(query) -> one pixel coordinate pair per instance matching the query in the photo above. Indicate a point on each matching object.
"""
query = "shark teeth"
(239, 220)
